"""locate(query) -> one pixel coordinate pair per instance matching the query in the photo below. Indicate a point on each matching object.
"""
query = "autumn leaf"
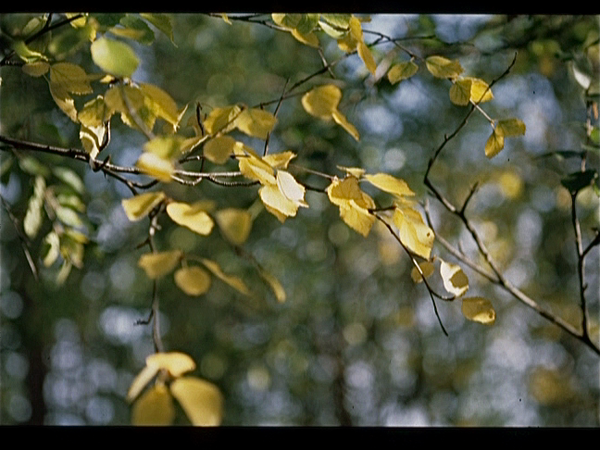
(235, 224)
(441, 67)
(455, 280)
(139, 206)
(494, 144)
(353, 203)
(390, 184)
(427, 267)
(192, 217)
(412, 230)
(479, 309)
(219, 149)
(159, 264)
(232, 281)
(256, 122)
(154, 408)
(192, 280)
(202, 401)
(402, 71)
(114, 57)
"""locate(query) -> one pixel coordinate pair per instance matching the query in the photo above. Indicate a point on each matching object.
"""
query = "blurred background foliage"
(356, 342)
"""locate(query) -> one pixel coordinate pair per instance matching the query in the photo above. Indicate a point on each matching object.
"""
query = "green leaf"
(69, 177)
(114, 57)
(70, 77)
(50, 249)
(577, 181)
(134, 28)
(163, 22)
(25, 53)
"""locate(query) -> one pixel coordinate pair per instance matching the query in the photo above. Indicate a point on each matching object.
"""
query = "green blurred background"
(356, 342)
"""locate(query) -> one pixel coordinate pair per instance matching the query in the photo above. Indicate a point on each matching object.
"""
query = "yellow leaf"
(226, 19)
(272, 197)
(279, 160)
(219, 149)
(232, 281)
(511, 127)
(192, 280)
(341, 120)
(309, 39)
(322, 101)
(480, 91)
(202, 401)
(479, 309)
(355, 28)
(290, 188)
(140, 381)
(158, 264)
(460, 92)
(365, 54)
(235, 224)
(156, 166)
(36, 69)
(427, 268)
(64, 101)
(354, 204)
(347, 43)
(413, 232)
(402, 71)
(190, 216)
(256, 169)
(94, 113)
(162, 104)
(166, 147)
(139, 206)
(70, 77)
(154, 408)
(494, 144)
(281, 217)
(222, 119)
(274, 284)
(354, 171)
(390, 184)
(455, 280)
(256, 122)
(441, 67)
(176, 363)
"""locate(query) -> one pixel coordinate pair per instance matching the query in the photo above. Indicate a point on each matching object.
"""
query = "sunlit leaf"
(139, 206)
(70, 77)
(413, 231)
(36, 69)
(191, 216)
(64, 101)
(402, 71)
(511, 127)
(154, 408)
(140, 381)
(441, 67)
(256, 122)
(221, 119)
(274, 284)
(279, 160)
(94, 113)
(480, 91)
(479, 309)
(156, 166)
(390, 184)
(176, 363)
(272, 197)
(33, 217)
(162, 104)
(309, 39)
(50, 250)
(166, 147)
(232, 281)
(341, 120)
(353, 203)
(192, 280)
(290, 188)
(455, 280)
(322, 101)
(219, 149)
(235, 224)
(494, 144)
(114, 57)
(25, 53)
(70, 178)
(256, 169)
(132, 27)
(365, 54)
(159, 264)
(202, 401)
(427, 268)
(356, 172)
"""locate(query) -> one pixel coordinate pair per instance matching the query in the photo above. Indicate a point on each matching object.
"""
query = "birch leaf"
(235, 224)
(139, 206)
(64, 101)
(202, 401)
(511, 127)
(154, 408)
(219, 149)
(114, 57)
(353, 203)
(413, 231)
(279, 160)
(341, 120)
(232, 281)
(455, 280)
(441, 67)
(427, 268)
(70, 77)
(256, 122)
(193, 280)
(322, 101)
(190, 216)
(479, 309)
(494, 144)
(290, 188)
(272, 197)
(402, 71)
(460, 92)
(159, 264)
(156, 166)
(480, 91)
(36, 69)
(176, 363)
(365, 54)
(222, 119)
(390, 184)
